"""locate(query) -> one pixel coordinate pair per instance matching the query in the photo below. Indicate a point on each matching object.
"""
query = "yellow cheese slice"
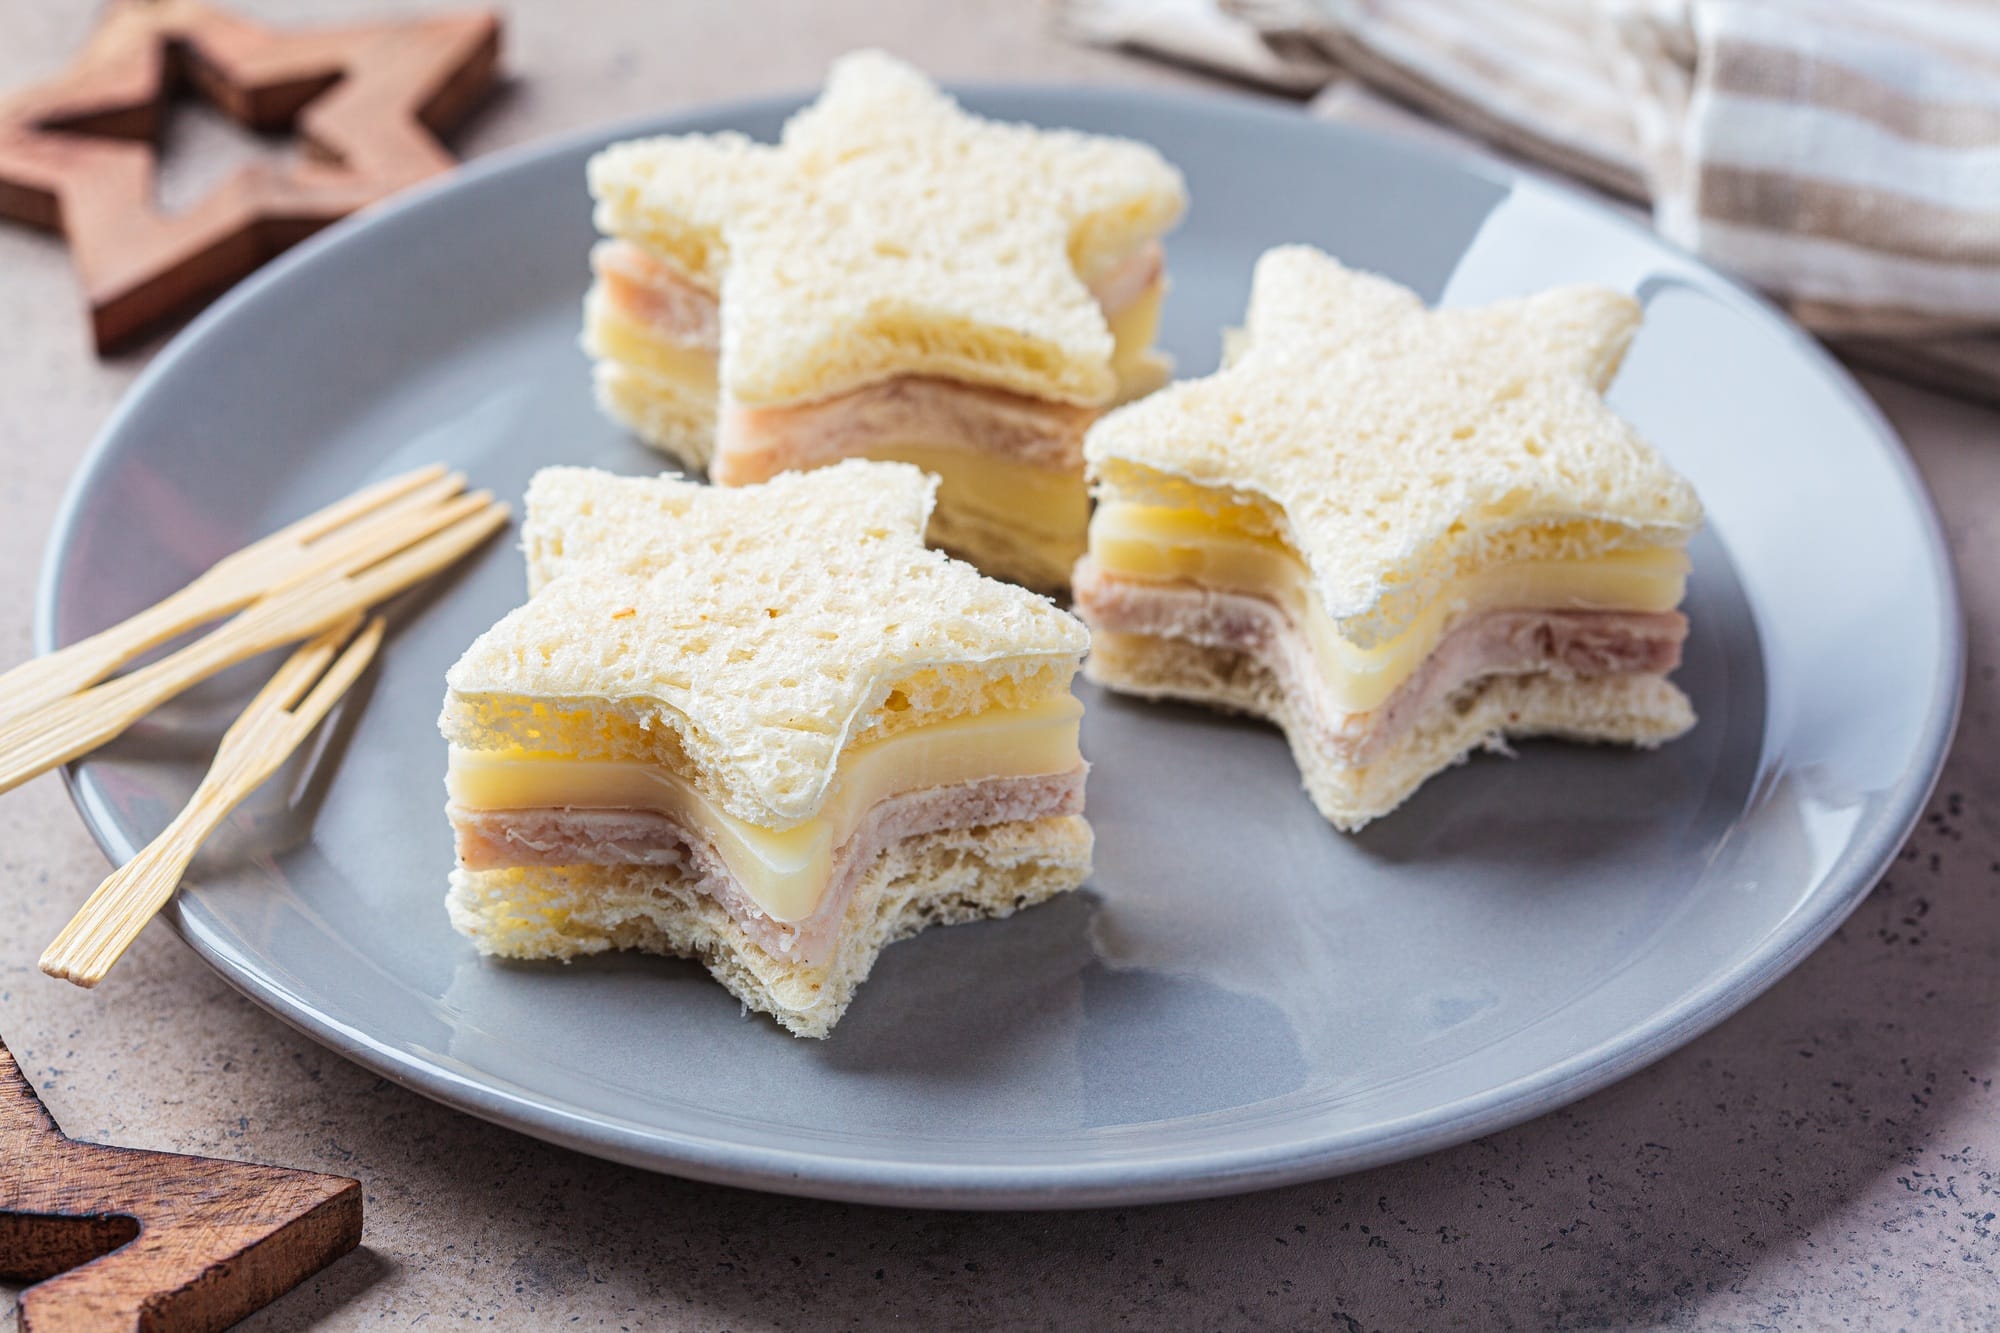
(612, 333)
(785, 872)
(1133, 331)
(1164, 544)
(609, 332)
(1050, 505)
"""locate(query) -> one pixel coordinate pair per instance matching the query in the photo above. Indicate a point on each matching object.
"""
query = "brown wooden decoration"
(77, 154)
(119, 1238)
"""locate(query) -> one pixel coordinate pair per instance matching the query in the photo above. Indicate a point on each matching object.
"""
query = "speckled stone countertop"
(1831, 1156)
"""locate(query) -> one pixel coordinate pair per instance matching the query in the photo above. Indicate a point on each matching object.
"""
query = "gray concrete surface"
(1829, 1157)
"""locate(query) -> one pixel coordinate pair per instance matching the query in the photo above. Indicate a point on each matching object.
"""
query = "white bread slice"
(1642, 710)
(671, 415)
(891, 233)
(933, 879)
(745, 637)
(1395, 447)
(576, 517)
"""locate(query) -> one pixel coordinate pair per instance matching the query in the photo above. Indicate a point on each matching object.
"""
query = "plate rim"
(1192, 1174)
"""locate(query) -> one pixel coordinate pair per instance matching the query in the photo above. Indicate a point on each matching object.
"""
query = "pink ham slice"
(657, 296)
(1494, 643)
(654, 293)
(549, 836)
(754, 444)
(1123, 284)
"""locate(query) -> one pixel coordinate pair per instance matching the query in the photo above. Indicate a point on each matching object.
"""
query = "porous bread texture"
(1633, 709)
(1396, 448)
(932, 879)
(745, 637)
(668, 415)
(576, 517)
(889, 233)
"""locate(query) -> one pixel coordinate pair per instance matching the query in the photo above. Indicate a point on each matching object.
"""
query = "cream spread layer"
(1158, 544)
(784, 873)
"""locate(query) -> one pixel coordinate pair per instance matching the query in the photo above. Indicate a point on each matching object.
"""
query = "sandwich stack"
(894, 279)
(1399, 534)
(765, 728)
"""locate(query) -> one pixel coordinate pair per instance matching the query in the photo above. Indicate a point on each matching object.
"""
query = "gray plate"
(1241, 997)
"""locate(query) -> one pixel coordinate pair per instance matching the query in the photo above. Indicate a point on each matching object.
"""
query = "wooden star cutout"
(884, 214)
(120, 1238)
(772, 621)
(77, 153)
(1392, 439)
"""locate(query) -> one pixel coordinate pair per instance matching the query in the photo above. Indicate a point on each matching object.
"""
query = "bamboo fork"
(72, 726)
(365, 527)
(281, 716)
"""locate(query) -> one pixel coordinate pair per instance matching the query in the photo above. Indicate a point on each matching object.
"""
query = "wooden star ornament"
(120, 1238)
(78, 153)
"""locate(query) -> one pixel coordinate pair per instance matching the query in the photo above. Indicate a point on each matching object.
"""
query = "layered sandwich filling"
(668, 306)
(788, 887)
(1194, 575)
(1007, 462)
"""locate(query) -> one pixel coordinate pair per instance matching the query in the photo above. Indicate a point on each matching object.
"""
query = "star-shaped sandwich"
(1399, 534)
(894, 279)
(765, 728)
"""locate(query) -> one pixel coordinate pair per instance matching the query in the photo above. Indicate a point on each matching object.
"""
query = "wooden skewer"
(372, 523)
(68, 727)
(281, 716)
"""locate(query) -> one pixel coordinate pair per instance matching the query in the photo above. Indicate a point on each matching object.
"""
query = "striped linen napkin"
(1844, 155)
